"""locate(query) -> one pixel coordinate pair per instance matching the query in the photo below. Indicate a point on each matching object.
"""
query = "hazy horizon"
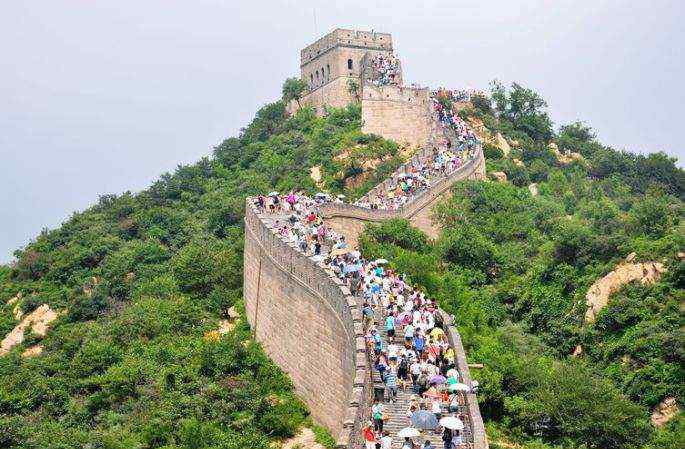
(104, 98)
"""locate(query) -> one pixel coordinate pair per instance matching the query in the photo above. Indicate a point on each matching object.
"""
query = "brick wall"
(350, 220)
(401, 114)
(309, 325)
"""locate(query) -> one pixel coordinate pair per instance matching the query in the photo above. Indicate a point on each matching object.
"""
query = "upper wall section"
(402, 114)
(349, 220)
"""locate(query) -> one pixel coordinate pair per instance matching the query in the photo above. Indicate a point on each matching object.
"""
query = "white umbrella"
(408, 432)
(459, 387)
(452, 422)
(380, 261)
(274, 193)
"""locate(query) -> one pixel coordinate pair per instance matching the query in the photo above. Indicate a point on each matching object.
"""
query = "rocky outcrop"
(502, 144)
(225, 326)
(32, 351)
(305, 439)
(533, 189)
(37, 321)
(567, 157)
(518, 162)
(664, 411)
(599, 293)
(499, 176)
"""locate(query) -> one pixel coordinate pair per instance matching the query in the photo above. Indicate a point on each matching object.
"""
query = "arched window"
(317, 75)
(328, 70)
(311, 77)
(323, 74)
(349, 64)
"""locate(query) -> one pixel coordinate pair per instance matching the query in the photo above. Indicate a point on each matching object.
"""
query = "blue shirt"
(390, 323)
(391, 379)
(377, 340)
(419, 342)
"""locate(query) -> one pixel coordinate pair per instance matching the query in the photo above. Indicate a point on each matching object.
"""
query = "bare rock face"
(502, 144)
(499, 176)
(533, 189)
(315, 174)
(518, 162)
(565, 158)
(37, 321)
(598, 295)
(578, 351)
(665, 411)
(16, 310)
(232, 314)
(32, 351)
(305, 439)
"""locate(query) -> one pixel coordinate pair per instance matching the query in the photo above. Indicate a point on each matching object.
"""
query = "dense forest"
(142, 280)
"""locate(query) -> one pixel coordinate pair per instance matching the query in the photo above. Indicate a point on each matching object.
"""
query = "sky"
(103, 97)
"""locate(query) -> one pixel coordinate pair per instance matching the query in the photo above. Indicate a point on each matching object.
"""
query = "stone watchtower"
(339, 69)
(331, 62)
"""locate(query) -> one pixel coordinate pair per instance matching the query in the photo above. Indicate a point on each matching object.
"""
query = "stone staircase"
(397, 411)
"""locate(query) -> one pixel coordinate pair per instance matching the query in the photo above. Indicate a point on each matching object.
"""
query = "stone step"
(397, 412)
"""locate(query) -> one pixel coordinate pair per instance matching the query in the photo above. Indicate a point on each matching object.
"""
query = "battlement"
(330, 62)
(339, 37)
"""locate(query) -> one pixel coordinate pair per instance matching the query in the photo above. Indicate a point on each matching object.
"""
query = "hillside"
(517, 257)
(141, 283)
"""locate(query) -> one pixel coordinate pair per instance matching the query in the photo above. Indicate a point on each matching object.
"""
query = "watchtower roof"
(346, 38)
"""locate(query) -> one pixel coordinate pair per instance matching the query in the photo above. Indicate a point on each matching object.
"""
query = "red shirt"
(368, 434)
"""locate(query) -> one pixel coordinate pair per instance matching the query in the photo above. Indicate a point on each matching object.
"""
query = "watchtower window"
(328, 70)
(317, 74)
(349, 64)
(311, 77)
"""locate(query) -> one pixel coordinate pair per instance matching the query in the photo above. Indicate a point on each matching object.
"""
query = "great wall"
(304, 316)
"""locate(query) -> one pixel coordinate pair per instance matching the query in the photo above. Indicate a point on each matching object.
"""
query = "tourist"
(369, 436)
(391, 383)
(386, 440)
(408, 443)
(377, 413)
(447, 438)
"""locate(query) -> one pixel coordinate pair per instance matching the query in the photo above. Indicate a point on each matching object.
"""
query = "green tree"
(293, 89)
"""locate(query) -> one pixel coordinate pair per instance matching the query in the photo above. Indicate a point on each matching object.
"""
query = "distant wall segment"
(350, 220)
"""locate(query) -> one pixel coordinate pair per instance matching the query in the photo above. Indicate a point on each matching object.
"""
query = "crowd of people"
(417, 355)
(463, 95)
(458, 146)
(386, 70)
(454, 125)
